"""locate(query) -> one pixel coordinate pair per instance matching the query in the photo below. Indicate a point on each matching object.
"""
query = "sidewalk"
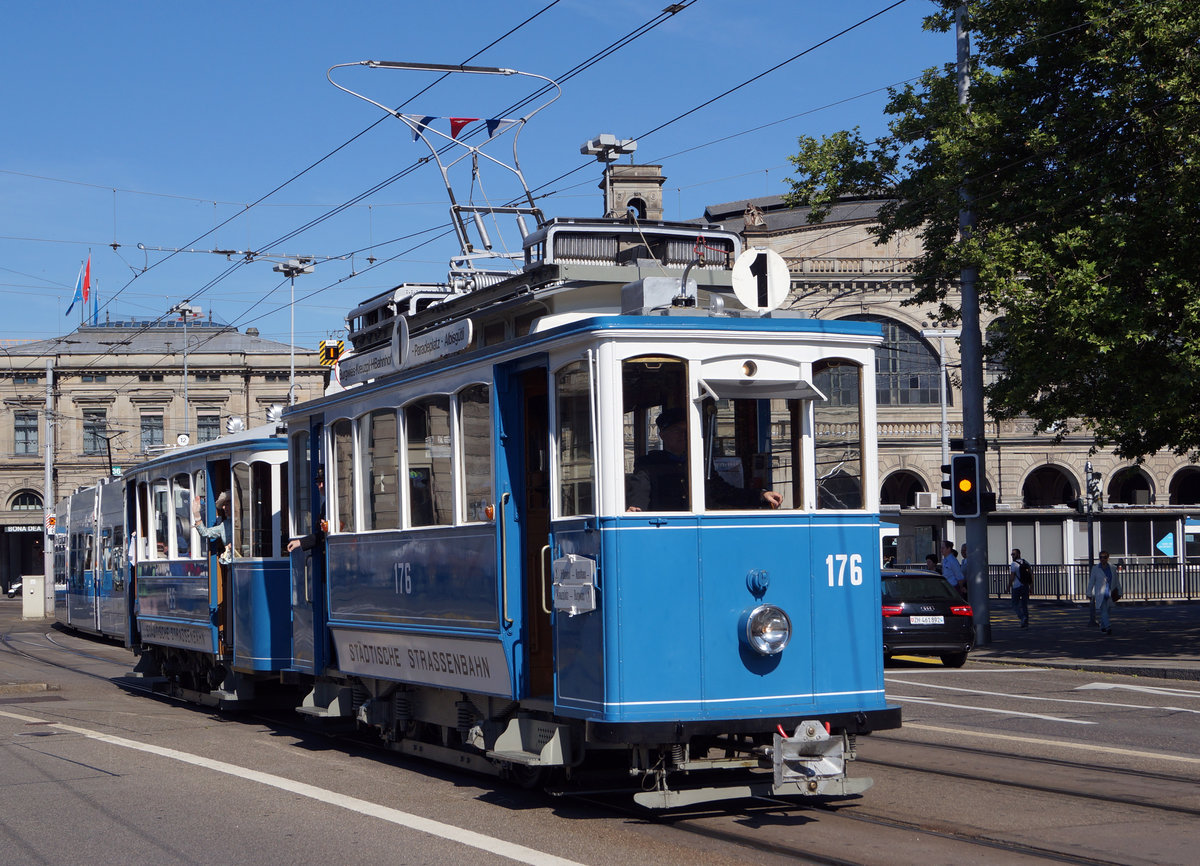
(1147, 640)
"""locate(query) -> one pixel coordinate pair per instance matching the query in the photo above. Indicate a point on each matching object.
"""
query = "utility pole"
(971, 343)
(48, 502)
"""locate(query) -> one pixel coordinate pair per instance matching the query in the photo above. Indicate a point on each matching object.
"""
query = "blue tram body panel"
(663, 643)
(429, 578)
(262, 634)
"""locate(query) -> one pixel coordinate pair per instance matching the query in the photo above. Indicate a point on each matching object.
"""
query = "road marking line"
(490, 844)
(1169, 693)
(1058, 744)
(1150, 690)
(934, 703)
(21, 718)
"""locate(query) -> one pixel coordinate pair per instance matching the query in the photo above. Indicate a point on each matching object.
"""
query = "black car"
(923, 615)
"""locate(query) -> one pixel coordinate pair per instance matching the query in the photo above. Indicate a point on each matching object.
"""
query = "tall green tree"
(1080, 151)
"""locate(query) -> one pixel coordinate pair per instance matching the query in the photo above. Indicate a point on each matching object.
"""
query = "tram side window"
(576, 450)
(430, 483)
(241, 510)
(181, 495)
(837, 429)
(300, 461)
(475, 424)
(262, 509)
(381, 471)
(89, 542)
(655, 422)
(142, 550)
(283, 509)
(160, 509)
(343, 467)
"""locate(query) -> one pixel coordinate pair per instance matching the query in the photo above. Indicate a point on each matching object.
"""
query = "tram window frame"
(574, 466)
(142, 546)
(438, 511)
(474, 451)
(183, 510)
(262, 509)
(835, 413)
(240, 510)
(279, 475)
(160, 513)
(373, 516)
(661, 385)
(300, 466)
(342, 497)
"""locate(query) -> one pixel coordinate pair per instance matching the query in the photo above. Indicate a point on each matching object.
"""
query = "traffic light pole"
(971, 345)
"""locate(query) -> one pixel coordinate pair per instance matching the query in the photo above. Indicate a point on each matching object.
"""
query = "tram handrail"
(542, 566)
(507, 620)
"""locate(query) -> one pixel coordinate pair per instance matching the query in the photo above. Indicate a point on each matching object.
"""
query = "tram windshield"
(747, 449)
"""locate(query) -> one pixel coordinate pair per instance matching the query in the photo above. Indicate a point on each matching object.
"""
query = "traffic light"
(965, 499)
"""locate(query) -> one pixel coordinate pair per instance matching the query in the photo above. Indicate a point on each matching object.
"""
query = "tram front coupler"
(810, 756)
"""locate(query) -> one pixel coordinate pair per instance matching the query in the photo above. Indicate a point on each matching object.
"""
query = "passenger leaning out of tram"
(659, 480)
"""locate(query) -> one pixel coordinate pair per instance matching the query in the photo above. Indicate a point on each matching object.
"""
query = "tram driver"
(660, 478)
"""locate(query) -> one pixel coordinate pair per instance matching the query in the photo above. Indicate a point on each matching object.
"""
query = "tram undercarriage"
(524, 743)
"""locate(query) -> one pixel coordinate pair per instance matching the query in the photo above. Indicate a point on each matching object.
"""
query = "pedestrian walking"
(952, 570)
(1020, 580)
(1103, 586)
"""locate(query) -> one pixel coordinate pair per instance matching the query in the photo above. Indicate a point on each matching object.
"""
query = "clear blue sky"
(151, 123)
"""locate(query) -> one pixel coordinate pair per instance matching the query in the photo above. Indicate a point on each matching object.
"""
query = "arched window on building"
(26, 500)
(906, 367)
(1131, 486)
(1185, 486)
(901, 488)
(993, 359)
(1048, 486)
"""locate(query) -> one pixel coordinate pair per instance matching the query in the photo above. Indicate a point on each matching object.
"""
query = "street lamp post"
(290, 269)
(186, 310)
(941, 334)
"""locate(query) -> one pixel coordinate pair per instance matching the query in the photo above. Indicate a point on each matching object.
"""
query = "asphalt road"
(996, 763)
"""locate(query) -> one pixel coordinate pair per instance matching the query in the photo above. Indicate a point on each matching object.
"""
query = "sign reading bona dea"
(406, 352)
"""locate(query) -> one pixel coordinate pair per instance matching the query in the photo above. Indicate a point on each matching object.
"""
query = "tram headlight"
(766, 629)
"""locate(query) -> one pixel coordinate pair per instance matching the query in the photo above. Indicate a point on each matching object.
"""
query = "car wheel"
(954, 660)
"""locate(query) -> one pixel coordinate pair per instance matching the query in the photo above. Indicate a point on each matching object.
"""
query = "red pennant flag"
(87, 279)
(457, 123)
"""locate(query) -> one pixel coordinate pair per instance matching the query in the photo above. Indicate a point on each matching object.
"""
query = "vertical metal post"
(48, 496)
(971, 343)
(1091, 501)
(186, 428)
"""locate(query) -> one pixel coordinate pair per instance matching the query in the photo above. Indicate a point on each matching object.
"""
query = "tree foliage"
(1079, 151)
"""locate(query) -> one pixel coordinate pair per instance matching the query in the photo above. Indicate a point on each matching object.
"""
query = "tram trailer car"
(89, 561)
(211, 618)
(499, 588)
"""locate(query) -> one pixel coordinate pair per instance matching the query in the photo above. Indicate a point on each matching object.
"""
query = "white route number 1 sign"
(761, 280)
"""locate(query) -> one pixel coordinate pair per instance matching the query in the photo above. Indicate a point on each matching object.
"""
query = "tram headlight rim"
(753, 629)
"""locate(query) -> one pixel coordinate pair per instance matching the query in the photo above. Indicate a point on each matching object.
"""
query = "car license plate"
(927, 620)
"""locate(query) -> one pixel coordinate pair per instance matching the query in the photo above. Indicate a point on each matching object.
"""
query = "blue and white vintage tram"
(501, 589)
(89, 561)
(608, 506)
(208, 556)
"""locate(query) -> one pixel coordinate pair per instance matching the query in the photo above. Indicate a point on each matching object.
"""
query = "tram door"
(524, 469)
(536, 438)
(221, 573)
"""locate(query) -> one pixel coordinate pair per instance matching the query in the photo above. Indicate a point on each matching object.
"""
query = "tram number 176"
(836, 564)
